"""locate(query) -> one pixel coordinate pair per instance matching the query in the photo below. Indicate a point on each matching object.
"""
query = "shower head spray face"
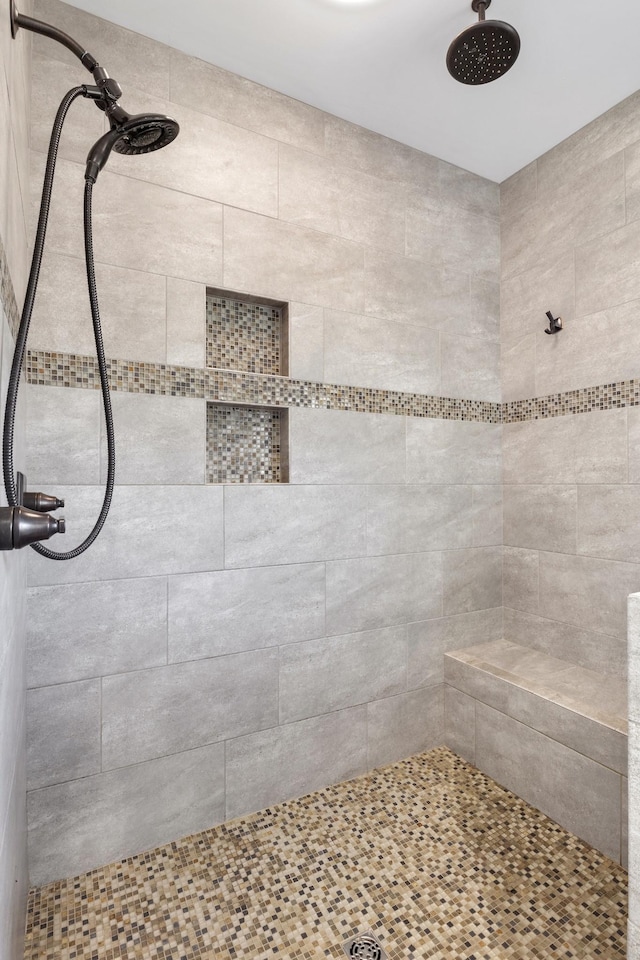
(484, 51)
(145, 133)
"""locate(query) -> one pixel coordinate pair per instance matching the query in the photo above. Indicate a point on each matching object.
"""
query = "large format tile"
(159, 440)
(163, 231)
(219, 93)
(338, 446)
(453, 451)
(382, 591)
(568, 642)
(82, 630)
(294, 759)
(410, 291)
(186, 313)
(468, 191)
(336, 199)
(50, 80)
(520, 579)
(460, 723)
(522, 446)
(379, 156)
(487, 513)
(441, 232)
(401, 726)
(321, 676)
(367, 351)
(63, 733)
(587, 592)
(63, 434)
(150, 531)
(413, 518)
(470, 368)
(211, 159)
(78, 825)
(429, 640)
(525, 299)
(230, 611)
(471, 579)
(580, 794)
(165, 710)
(607, 270)
(609, 521)
(271, 524)
(306, 342)
(271, 258)
(541, 516)
(132, 310)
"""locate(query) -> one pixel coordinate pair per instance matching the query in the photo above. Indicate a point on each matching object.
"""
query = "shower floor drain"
(364, 947)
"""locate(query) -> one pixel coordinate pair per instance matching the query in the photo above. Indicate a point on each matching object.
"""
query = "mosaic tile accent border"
(8, 294)
(230, 386)
(242, 335)
(244, 444)
(430, 854)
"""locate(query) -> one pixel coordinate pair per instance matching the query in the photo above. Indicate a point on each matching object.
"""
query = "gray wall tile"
(77, 631)
(578, 793)
(382, 591)
(367, 351)
(520, 579)
(446, 234)
(160, 440)
(230, 611)
(218, 93)
(62, 316)
(447, 451)
(63, 434)
(297, 524)
(141, 536)
(567, 642)
(286, 261)
(609, 521)
(460, 723)
(429, 640)
(401, 726)
(606, 270)
(321, 676)
(487, 511)
(294, 759)
(165, 710)
(414, 518)
(76, 825)
(379, 156)
(186, 311)
(471, 579)
(587, 592)
(63, 733)
(332, 197)
(541, 516)
(523, 443)
(470, 368)
(337, 446)
(306, 342)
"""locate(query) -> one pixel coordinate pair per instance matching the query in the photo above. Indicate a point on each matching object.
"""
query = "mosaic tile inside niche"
(430, 854)
(243, 335)
(245, 444)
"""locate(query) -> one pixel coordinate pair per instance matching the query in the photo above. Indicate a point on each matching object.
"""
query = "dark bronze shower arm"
(108, 90)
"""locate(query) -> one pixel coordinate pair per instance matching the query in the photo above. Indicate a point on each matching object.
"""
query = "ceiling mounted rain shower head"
(485, 50)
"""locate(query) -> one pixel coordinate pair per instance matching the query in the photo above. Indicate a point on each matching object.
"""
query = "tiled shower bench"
(550, 731)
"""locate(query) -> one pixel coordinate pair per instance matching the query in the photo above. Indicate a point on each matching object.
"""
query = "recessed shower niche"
(246, 443)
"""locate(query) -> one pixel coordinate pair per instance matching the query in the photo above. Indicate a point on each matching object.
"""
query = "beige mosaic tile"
(430, 854)
(244, 444)
(243, 335)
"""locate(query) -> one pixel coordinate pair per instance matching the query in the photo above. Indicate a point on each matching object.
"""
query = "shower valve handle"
(41, 502)
(19, 527)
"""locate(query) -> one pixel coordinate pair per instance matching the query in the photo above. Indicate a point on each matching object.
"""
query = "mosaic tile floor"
(430, 854)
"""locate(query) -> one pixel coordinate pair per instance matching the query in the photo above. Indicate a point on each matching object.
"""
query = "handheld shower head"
(145, 133)
(133, 136)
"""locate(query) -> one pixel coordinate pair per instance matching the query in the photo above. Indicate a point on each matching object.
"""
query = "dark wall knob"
(19, 527)
(41, 502)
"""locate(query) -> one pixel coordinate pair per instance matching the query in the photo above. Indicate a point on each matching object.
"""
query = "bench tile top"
(587, 692)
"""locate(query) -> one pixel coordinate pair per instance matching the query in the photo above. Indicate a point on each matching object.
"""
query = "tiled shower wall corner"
(571, 243)
(222, 647)
(14, 202)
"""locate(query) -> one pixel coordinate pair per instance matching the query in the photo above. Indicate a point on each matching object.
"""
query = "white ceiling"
(381, 64)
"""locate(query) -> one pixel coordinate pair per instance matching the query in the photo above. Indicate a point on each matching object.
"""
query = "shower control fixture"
(485, 50)
(26, 521)
(555, 323)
